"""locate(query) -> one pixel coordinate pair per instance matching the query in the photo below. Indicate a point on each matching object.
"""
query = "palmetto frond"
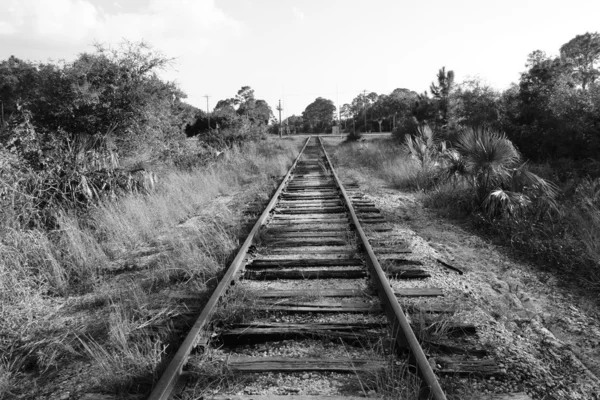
(488, 156)
(455, 166)
(427, 135)
(506, 203)
(545, 192)
(423, 147)
(487, 150)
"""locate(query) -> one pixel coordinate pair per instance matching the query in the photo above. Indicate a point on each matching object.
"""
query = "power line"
(365, 108)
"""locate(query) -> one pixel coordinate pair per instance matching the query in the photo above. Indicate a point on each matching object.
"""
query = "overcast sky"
(298, 50)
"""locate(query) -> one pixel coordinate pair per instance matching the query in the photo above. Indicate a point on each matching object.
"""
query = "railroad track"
(307, 309)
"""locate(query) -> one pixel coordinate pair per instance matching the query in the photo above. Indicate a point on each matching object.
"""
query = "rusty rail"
(404, 335)
(170, 376)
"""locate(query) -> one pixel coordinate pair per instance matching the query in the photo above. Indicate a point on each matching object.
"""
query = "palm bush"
(494, 170)
(423, 147)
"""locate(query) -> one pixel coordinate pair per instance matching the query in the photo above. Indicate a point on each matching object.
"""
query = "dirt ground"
(545, 332)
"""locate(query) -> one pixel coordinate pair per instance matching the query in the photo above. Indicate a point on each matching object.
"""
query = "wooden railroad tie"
(288, 364)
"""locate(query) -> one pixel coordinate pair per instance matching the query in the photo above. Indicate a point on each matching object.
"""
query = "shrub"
(405, 126)
(353, 136)
(424, 147)
(501, 184)
(43, 173)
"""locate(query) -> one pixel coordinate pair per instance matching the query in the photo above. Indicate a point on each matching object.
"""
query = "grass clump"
(388, 160)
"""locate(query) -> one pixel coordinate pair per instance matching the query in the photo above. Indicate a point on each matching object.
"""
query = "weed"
(395, 380)
(239, 307)
(5, 380)
(211, 375)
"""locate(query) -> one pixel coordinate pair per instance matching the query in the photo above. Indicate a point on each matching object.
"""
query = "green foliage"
(257, 111)
(249, 118)
(319, 115)
(476, 104)
(582, 54)
(488, 156)
(387, 110)
(294, 124)
(554, 111)
(110, 89)
(406, 125)
(502, 185)
(424, 147)
(353, 136)
(68, 127)
(441, 94)
(42, 173)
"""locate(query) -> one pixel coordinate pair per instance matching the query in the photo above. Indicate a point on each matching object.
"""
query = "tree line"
(553, 112)
(232, 120)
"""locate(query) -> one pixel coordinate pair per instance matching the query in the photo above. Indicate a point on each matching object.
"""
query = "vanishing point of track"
(310, 230)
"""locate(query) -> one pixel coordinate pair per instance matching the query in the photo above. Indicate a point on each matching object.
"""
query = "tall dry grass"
(387, 160)
(189, 224)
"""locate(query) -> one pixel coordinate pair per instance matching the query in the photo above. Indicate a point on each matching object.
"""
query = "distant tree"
(319, 114)
(226, 104)
(262, 112)
(294, 123)
(345, 113)
(441, 93)
(534, 122)
(425, 109)
(360, 107)
(257, 111)
(244, 96)
(401, 104)
(582, 53)
(381, 109)
(476, 104)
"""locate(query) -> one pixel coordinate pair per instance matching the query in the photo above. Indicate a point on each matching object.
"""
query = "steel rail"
(171, 375)
(401, 329)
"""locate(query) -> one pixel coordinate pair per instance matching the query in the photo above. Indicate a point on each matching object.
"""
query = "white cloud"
(7, 28)
(174, 26)
(298, 14)
(57, 21)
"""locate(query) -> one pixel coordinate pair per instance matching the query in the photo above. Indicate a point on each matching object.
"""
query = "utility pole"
(279, 109)
(337, 100)
(365, 108)
(207, 113)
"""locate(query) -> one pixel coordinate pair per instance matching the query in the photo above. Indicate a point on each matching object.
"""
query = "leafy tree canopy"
(319, 114)
(582, 53)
